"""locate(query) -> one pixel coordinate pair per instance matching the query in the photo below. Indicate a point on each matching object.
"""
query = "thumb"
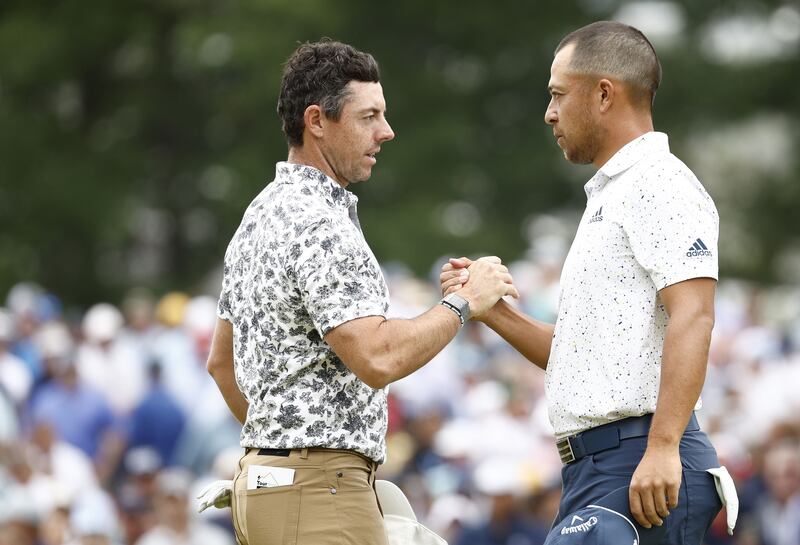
(460, 262)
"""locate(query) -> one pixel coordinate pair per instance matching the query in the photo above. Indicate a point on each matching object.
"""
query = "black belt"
(274, 451)
(607, 436)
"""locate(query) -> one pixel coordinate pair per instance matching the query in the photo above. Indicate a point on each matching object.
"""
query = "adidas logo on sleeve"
(698, 249)
(598, 216)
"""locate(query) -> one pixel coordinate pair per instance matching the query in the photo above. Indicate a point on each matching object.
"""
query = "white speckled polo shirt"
(648, 224)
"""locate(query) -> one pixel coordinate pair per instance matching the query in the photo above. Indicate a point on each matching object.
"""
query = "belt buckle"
(565, 451)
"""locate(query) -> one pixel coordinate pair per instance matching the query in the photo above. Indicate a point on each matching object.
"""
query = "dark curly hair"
(318, 73)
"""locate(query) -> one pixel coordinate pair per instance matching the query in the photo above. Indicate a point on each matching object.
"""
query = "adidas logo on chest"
(598, 216)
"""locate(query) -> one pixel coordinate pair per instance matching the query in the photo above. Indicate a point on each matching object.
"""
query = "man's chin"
(576, 159)
(361, 177)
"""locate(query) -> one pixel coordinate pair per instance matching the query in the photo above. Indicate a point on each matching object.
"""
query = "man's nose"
(386, 132)
(550, 115)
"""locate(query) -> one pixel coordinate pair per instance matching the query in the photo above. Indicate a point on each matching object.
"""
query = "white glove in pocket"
(727, 493)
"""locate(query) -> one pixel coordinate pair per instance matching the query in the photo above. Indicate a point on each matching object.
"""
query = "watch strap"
(458, 305)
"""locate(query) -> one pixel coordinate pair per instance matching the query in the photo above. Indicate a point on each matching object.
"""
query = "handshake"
(482, 282)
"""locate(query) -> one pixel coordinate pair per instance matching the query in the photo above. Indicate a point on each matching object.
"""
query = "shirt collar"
(316, 181)
(627, 156)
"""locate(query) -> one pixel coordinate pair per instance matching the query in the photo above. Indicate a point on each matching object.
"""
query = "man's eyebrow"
(372, 109)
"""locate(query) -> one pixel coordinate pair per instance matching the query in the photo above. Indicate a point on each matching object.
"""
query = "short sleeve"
(673, 226)
(336, 274)
(224, 310)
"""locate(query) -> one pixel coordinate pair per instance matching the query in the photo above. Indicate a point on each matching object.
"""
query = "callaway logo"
(598, 216)
(698, 249)
(581, 527)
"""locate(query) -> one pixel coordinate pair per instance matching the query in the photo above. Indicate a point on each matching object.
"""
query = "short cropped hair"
(318, 73)
(617, 50)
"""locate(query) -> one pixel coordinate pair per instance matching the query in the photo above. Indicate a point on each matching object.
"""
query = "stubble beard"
(586, 147)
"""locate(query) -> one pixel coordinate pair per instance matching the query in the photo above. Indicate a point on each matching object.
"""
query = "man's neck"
(623, 134)
(312, 156)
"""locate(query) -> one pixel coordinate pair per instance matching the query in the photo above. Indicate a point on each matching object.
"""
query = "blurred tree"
(134, 133)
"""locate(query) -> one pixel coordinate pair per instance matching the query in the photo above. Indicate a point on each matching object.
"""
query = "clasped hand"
(481, 282)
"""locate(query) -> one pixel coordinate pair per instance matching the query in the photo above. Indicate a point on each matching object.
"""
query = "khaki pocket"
(352, 478)
(269, 516)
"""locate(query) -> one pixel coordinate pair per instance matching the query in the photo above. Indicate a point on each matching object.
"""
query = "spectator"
(175, 524)
(15, 377)
(81, 416)
(779, 514)
(105, 361)
(94, 519)
(69, 466)
(502, 483)
(183, 373)
(157, 421)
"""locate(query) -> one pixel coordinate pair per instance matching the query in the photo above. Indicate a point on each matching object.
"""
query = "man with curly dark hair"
(302, 350)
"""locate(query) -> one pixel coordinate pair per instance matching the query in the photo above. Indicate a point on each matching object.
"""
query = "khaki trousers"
(332, 501)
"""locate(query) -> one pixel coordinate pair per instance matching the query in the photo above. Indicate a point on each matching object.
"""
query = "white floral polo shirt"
(297, 267)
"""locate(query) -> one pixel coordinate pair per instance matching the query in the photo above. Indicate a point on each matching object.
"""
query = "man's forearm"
(221, 367)
(226, 382)
(529, 337)
(683, 371)
(380, 351)
(406, 345)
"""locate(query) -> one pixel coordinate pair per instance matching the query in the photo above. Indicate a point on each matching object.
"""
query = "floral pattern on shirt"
(297, 267)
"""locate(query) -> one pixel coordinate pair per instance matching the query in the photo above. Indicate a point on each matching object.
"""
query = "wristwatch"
(457, 304)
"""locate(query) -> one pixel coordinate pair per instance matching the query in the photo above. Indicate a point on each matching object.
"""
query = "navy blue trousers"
(596, 475)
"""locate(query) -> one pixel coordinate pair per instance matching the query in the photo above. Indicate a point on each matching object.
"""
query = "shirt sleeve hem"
(357, 313)
(688, 275)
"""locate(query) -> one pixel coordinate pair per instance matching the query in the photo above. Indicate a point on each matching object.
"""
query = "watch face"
(461, 303)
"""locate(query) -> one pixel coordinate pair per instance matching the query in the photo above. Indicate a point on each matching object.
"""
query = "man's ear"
(313, 119)
(607, 94)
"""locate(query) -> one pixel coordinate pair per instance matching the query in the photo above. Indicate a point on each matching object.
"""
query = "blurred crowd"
(110, 424)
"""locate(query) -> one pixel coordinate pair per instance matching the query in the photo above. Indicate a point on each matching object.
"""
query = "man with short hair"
(626, 359)
(302, 350)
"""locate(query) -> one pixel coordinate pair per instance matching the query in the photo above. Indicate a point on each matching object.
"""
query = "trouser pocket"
(268, 516)
(702, 505)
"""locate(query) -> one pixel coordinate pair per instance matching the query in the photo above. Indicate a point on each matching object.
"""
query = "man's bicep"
(351, 340)
(695, 295)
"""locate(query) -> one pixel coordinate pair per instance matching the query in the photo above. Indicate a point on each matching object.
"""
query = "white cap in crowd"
(102, 323)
